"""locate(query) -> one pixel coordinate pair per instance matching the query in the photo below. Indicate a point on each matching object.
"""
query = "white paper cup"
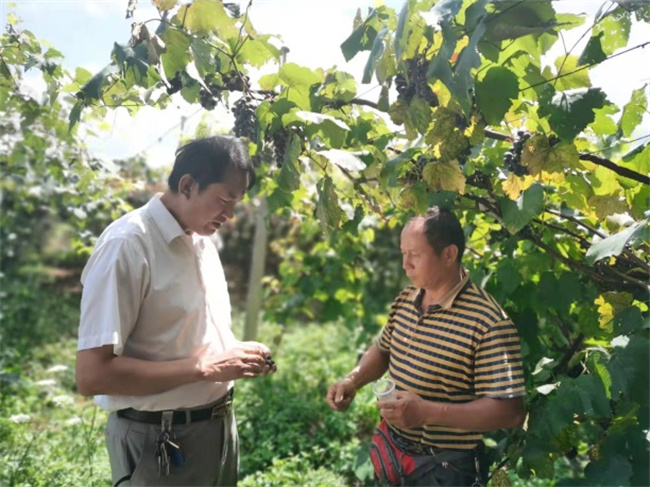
(384, 389)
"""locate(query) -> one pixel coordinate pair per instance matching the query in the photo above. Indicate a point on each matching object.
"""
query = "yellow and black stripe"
(457, 353)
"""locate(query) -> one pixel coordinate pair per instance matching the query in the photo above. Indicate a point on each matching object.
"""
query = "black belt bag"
(182, 416)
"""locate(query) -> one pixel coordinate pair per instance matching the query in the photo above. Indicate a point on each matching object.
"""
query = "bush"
(286, 416)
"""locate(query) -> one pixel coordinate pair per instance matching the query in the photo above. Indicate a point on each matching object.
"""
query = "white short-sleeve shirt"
(155, 293)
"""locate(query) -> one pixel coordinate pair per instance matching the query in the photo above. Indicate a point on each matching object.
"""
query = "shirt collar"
(168, 225)
(450, 297)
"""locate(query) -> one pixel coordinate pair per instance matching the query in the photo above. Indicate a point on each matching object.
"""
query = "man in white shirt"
(155, 342)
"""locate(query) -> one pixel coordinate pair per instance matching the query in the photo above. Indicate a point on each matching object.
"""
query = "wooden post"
(254, 298)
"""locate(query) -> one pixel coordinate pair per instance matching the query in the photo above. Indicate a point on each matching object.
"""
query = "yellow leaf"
(534, 153)
(605, 205)
(444, 176)
(609, 304)
(514, 185)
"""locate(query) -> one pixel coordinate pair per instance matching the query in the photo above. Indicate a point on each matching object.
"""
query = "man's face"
(423, 266)
(207, 210)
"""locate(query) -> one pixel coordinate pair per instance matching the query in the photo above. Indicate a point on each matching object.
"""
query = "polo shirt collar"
(450, 297)
(168, 225)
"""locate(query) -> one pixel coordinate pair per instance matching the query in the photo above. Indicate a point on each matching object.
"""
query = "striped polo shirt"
(458, 351)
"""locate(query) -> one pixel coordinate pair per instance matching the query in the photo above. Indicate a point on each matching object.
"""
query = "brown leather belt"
(182, 416)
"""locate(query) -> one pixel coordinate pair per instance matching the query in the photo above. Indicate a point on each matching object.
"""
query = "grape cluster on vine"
(415, 84)
(415, 173)
(280, 140)
(512, 157)
(175, 84)
(245, 118)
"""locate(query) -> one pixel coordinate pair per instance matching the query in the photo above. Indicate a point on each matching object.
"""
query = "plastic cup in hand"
(384, 389)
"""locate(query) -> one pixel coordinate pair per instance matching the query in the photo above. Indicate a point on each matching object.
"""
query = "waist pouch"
(393, 466)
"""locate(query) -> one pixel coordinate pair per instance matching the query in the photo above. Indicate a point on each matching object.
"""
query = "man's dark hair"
(207, 161)
(443, 229)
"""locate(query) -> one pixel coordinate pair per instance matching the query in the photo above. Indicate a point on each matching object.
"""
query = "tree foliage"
(559, 233)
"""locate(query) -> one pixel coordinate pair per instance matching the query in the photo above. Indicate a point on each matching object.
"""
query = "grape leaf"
(606, 205)
(514, 185)
(375, 54)
(569, 113)
(328, 209)
(92, 89)
(615, 244)
(444, 176)
(207, 16)
(163, 5)
(517, 214)
(176, 55)
(615, 29)
(402, 31)
(289, 177)
(593, 52)
(344, 159)
(495, 92)
(414, 198)
(633, 112)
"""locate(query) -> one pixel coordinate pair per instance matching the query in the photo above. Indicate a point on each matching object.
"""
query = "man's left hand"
(406, 411)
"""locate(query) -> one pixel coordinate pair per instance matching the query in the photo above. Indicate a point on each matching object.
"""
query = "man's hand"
(406, 411)
(340, 394)
(246, 360)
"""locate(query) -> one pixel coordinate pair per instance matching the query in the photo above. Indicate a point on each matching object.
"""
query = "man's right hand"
(246, 360)
(341, 394)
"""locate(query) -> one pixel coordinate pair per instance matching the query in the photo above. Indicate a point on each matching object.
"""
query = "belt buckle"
(220, 411)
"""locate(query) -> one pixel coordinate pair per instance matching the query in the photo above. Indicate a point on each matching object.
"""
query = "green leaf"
(615, 30)
(319, 119)
(569, 113)
(328, 209)
(629, 320)
(628, 368)
(463, 81)
(207, 16)
(615, 244)
(298, 81)
(375, 54)
(593, 52)
(418, 118)
(176, 55)
(344, 159)
(614, 470)
(495, 92)
(257, 52)
(402, 31)
(517, 214)
(93, 88)
(446, 9)
(383, 104)
(75, 114)
(414, 198)
(134, 63)
(362, 37)
(289, 177)
(571, 78)
(633, 112)
(202, 56)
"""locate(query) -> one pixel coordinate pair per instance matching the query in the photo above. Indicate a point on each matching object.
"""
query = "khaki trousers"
(210, 448)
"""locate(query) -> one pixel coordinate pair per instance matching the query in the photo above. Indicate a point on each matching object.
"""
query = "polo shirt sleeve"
(114, 284)
(384, 340)
(498, 371)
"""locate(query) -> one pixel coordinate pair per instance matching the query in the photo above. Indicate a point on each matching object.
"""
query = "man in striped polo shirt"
(452, 352)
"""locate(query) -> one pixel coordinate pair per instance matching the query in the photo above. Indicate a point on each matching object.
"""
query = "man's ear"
(451, 253)
(185, 185)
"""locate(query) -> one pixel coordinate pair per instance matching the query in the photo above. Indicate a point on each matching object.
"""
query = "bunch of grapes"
(245, 118)
(418, 75)
(232, 81)
(207, 99)
(414, 174)
(417, 84)
(404, 90)
(280, 140)
(175, 84)
(512, 157)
